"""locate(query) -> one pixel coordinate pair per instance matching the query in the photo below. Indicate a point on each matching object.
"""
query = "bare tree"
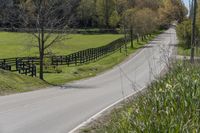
(46, 20)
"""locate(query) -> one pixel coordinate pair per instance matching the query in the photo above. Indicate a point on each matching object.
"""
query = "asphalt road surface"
(60, 109)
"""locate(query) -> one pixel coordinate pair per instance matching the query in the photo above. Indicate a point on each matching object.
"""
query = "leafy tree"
(122, 6)
(104, 10)
(184, 33)
(140, 22)
(198, 15)
(86, 12)
(104, 13)
(146, 21)
(172, 10)
(129, 22)
(114, 19)
(151, 4)
(198, 22)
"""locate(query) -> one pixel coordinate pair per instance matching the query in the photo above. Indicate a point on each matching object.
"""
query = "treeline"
(184, 29)
(102, 13)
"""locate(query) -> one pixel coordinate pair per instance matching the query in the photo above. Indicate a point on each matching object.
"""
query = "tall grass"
(171, 104)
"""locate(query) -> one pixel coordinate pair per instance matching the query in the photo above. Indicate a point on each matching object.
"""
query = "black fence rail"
(27, 68)
(28, 65)
(7, 64)
(24, 65)
(89, 55)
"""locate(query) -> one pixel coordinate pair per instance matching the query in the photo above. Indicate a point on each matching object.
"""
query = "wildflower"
(168, 86)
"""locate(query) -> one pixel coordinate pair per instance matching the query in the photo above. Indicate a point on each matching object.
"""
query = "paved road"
(60, 109)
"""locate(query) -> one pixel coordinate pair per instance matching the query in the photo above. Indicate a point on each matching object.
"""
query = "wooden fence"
(27, 65)
(24, 65)
(88, 55)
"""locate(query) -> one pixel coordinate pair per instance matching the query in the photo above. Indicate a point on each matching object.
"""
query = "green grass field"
(187, 52)
(66, 73)
(22, 44)
(171, 105)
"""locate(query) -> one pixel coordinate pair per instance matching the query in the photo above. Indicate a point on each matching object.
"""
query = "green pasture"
(14, 44)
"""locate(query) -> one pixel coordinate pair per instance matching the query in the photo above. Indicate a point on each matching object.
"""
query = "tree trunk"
(193, 32)
(107, 13)
(41, 65)
(42, 54)
(131, 38)
(138, 37)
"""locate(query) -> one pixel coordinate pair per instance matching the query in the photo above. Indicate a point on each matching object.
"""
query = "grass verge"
(187, 52)
(13, 83)
(92, 69)
(171, 104)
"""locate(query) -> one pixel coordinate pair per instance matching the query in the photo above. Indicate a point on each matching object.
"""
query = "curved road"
(60, 109)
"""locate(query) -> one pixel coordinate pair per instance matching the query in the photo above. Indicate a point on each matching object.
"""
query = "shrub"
(184, 33)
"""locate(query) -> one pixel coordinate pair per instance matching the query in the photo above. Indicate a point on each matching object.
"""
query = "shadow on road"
(71, 86)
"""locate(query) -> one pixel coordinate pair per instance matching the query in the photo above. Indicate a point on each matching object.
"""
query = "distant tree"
(47, 22)
(8, 13)
(146, 21)
(129, 22)
(198, 15)
(104, 10)
(172, 10)
(122, 6)
(184, 33)
(151, 4)
(114, 19)
(3, 6)
(86, 12)
(180, 10)
(140, 22)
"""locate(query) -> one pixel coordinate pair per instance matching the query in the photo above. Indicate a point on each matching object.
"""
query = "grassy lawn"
(22, 44)
(186, 52)
(171, 104)
(13, 82)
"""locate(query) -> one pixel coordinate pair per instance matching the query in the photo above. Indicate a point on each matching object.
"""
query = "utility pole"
(190, 8)
(193, 41)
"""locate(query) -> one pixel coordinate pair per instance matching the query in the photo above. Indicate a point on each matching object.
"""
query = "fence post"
(52, 60)
(75, 59)
(87, 55)
(16, 63)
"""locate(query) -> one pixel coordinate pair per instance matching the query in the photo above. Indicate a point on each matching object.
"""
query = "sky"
(186, 3)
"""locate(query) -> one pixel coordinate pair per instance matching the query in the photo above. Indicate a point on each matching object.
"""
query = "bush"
(184, 33)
